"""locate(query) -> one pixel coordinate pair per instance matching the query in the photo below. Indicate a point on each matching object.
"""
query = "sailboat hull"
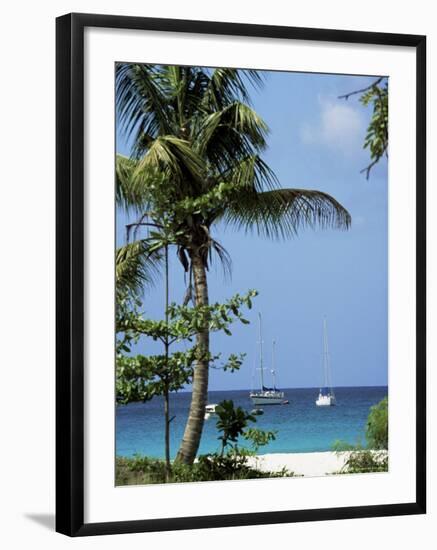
(274, 399)
(325, 401)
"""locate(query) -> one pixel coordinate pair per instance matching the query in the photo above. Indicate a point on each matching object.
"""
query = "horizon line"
(296, 388)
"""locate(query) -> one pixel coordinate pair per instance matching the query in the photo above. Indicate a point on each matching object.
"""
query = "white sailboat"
(326, 394)
(266, 396)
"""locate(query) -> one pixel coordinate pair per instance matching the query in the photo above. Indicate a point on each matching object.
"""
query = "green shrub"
(232, 423)
(365, 461)
(142, 470)
(377, 426)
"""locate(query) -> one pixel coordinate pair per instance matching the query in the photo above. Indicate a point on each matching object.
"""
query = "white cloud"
(340, 126)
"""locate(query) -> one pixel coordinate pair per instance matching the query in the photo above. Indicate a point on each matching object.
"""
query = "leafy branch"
(376, 139)
(185, 322)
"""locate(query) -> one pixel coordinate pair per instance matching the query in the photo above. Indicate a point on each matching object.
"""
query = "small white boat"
(210, 410)
(326, 394)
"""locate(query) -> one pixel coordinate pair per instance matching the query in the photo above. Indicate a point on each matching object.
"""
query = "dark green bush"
(142, 470)
(365, 461)
(377, 426)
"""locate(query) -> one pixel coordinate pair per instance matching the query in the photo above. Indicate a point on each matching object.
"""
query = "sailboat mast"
(261, 352)
(325, 352)
(273, 364)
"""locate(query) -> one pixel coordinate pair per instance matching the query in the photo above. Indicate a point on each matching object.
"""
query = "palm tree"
(196, 162)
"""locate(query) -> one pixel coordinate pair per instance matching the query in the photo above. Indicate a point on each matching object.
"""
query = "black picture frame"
(70, 273)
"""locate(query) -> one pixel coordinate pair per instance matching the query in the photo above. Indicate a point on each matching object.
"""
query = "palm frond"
(235, 131)
(136, 266)
(223, 256)
(127, 194)
(252, 174)
(228, 84)
(174, 160)
(141, 104)
(281, 213)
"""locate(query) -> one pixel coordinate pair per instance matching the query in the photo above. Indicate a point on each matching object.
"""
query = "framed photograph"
(240, 274)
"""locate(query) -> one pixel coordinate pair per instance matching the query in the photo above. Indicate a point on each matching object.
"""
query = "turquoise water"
(301, 425)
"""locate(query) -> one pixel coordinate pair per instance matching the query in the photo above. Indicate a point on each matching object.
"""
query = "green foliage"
(212, 467)
(377, 426)
(126, 313)
(136, 265)
(376, 139)
(233, 465)
(231, 422)
(185, 322)
(365, 461)
(140, 378)
(258, 438)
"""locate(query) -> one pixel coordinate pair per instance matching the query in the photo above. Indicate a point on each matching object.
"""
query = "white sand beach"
(306, 464)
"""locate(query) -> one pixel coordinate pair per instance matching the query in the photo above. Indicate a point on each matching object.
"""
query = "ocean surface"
(301, 425)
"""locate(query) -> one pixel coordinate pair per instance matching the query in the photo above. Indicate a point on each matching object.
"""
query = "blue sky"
(315, 142)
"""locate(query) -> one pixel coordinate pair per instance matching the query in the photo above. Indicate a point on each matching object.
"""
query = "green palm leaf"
(141, 103)
(280, 213)
(136, 266)
(225, 85)
(128, 193)
(234, 132)
(251, 173)
(175, 160)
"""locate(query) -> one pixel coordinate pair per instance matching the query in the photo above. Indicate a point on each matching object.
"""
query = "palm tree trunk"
(196, 416)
